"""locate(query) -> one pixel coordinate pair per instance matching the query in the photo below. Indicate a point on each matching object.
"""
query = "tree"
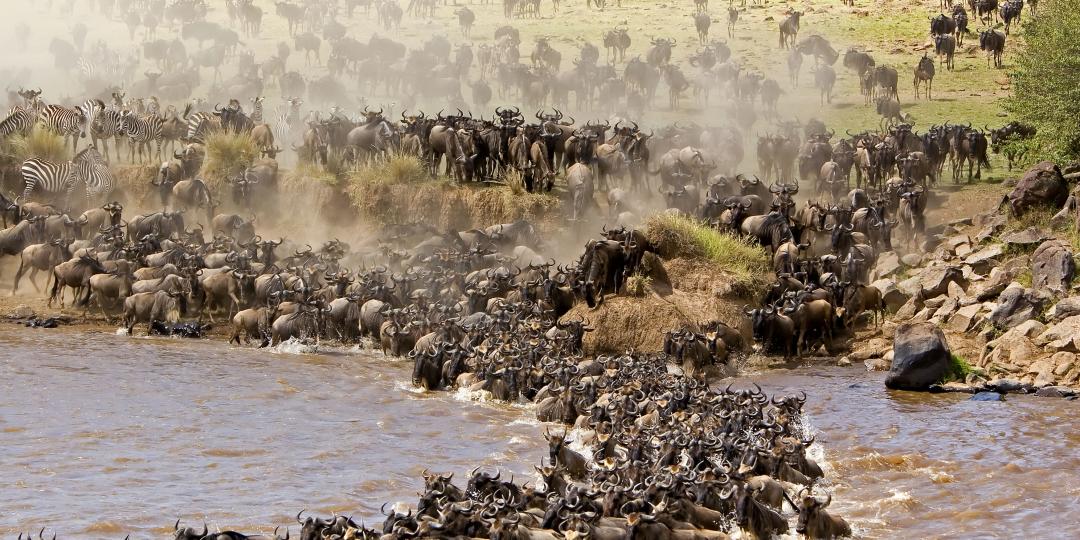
(1045, 92)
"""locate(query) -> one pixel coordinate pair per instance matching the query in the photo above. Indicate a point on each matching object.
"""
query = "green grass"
(681, 236)
(959, 370)
(39, 143)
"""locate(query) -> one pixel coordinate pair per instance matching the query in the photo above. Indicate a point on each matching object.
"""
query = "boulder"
(987, 396)
(986, 258)
(912, 259)
(1052, 266)
(993, 285)
(1066, 307)
(1024, 238)
(1026, 329)
(965, 318)
(1016, 305)
(1053, 391)
(990, 228)
(935, 281)
(888, 263)
(945, 311)
(921, 357)
(1063, 362)
(892, 295)
(909, 309)
(1067, 327)
(1042, 186)
(1006, 386)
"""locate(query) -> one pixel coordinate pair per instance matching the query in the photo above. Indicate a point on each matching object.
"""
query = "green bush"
(1044, 89)
(681, 236)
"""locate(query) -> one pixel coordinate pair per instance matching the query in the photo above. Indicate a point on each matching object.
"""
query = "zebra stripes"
(141, 131)
(107, 127)
(92, 170)
(51, 178)
(257, 112)
(65, 122)
(48, 177)
(287, 118)
(19, 121)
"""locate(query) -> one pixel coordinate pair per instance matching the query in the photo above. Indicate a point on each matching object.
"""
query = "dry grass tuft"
(397, 168)
(133, 182)
(227, 155)
(39, 143)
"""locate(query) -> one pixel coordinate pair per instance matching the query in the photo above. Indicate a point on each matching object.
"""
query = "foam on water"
(295, 346)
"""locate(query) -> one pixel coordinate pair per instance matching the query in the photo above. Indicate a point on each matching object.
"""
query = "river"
(103, 435)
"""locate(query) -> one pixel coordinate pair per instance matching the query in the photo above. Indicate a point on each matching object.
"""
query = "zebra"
(288, 117)
(107, 126)
(141, 130)
(53, 178)
(68, 122)
(19, 121)
(198, 124)
(93, 171)
(256, 115)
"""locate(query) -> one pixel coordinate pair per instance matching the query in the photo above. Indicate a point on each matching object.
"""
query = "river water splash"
(103, 435)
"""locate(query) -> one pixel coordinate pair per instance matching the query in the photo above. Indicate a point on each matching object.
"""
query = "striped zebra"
(198, 124)
(288, 118)
(68, 122)
(19, 121)
(93, 171)
(51, 178)
(256, 115)
(107, 127)
(141, 131)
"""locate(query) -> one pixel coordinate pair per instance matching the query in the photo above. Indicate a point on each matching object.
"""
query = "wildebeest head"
(809, 509)
(188, 533)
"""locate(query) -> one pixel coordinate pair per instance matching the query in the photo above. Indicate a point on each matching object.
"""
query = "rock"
(923, 315)
(1063, 362)
(843, 361)
(963, 250)
(909, 309)
(1045, 378)
(1022, 352)
(22, 311)
(986, 258)
(1040, 366)
(921, 357)
(962, 222)
(947, 309)
(888, 263)
(1024, 238)
(1006, 386)
(954, 290)
(1016, 305)
(935, 303)
(876, 364)
(1051, 391)
(964, 318)
(892, 295)
(1066, 307)
(994, 284)
(1026, 329)
(990, 229)
(1052, 266)
(1042, 186)
(1062, 331)
(912, 259)
(935, 281)
(987, 396)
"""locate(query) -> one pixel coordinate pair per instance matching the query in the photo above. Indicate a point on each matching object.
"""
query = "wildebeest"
(789, 29)
(150, 307)
(924, 72)
(815, 522)
(945, 45)
(992, 42)
(702, 22)
(824, 80)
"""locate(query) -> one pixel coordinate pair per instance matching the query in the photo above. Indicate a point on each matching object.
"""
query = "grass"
(315, 187)
(39, 143)
(681, 236)
(397, 168)
(638, 285)
(227, 155)
(959, 370)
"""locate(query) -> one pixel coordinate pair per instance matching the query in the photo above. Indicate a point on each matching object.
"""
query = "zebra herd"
(87, 167)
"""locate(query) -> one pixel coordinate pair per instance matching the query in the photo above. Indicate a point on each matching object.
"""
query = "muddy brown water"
(104, 435)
